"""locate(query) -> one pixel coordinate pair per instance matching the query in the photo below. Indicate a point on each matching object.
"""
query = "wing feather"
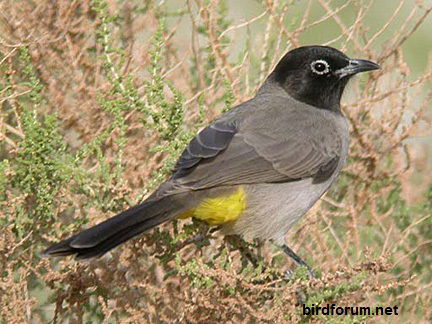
(248, 148)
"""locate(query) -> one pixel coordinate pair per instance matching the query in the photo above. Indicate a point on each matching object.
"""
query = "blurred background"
(99, 98)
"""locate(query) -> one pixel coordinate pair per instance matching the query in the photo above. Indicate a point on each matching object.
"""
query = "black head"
(317, 75)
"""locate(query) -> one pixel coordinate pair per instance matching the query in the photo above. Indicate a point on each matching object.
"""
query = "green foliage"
(192, 270)
(32, 79)
(41, 167)
(228, 96)
(168, 119)
(5, 171)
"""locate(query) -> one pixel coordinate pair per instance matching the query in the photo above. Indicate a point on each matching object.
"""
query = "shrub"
(98, 100)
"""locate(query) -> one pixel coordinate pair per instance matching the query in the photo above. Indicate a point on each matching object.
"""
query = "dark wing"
(294, 144)
(207, 144)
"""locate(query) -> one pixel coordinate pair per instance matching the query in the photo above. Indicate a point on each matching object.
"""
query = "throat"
(322, 98)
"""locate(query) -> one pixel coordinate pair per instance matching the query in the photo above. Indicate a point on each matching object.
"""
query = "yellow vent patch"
(220, 210)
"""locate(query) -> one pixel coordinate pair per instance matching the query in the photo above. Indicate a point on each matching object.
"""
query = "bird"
(257, 168)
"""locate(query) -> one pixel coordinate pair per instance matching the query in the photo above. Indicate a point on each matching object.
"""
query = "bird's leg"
(297, 260)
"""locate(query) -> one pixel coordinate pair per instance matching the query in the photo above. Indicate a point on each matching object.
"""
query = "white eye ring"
(314, 64)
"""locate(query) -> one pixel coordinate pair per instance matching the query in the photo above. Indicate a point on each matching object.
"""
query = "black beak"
(356, 66)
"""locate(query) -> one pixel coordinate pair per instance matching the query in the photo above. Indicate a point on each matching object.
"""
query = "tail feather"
(105, 236)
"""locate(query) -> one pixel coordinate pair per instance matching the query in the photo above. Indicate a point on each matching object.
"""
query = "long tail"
(105, 236)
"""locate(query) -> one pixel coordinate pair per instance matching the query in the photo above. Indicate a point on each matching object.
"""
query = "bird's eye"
(320, 67)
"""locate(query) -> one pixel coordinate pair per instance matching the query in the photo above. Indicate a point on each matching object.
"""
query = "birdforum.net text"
(332, 309)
